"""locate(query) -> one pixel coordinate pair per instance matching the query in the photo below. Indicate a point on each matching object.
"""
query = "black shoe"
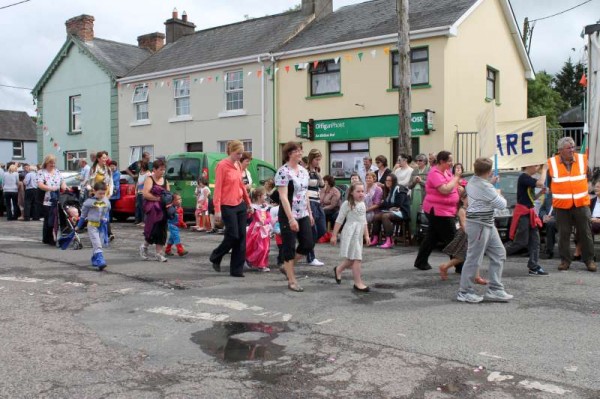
(546, 256)
(366, 289)
(236, 274)
(426, 267)
(337, 280)
(216, 266)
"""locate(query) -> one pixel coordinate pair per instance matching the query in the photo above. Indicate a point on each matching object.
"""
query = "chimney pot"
(176, 28)
(81, 27)
(184, 16)
(175, 13)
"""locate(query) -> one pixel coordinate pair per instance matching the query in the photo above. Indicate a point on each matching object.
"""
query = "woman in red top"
(231, 203)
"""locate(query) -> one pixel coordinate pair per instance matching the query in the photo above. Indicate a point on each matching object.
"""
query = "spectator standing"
(382, 170)
(315, 184)
(403, 171)
(548, 217)
(246, 176)
(10, 185)
(440, 206)
(31, 209)
(84, 175)
(134, 169)
(595, 209)
(571, 203)
(367, 166)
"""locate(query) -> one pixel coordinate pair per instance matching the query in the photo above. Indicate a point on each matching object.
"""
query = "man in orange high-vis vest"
(571, 201)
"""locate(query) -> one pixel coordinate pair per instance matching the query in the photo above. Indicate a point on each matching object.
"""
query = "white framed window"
(419, 67)
(222, 145)
(75, 113)
(234, 90)
(72, 159)
(182, 96)
(326, 78)
(491, 87)
(135, 152)
(140, 102)
(18, 150)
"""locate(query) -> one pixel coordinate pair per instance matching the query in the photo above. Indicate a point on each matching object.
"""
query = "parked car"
(502, 218)
(71, 179)
(124, 207)
(184, 169)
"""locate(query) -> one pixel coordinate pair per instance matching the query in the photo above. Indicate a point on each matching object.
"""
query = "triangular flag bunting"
(210, 78)
(217, 78)
(128, 85)
(337, 60)
(287, 68)
(315, 64)
(225, 78)
(386, 50)
(268, 71)
(195, 80)
(360, 55)
(258, 74)
(168, 83)
(250, 73)
(276, 69)
(162, 84)
(583, 80)
(348, 57)
(51, 138)
(373, 53)
(297, 67)
(201, 80)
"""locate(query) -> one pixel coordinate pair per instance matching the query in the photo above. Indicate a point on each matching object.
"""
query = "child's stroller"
(68, 216)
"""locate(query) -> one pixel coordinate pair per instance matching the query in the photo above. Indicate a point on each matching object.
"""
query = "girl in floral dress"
(258, 237)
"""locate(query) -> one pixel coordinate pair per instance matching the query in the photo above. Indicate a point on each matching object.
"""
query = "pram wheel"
(76, 245)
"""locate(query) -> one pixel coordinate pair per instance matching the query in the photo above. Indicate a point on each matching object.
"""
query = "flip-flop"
(295, 288)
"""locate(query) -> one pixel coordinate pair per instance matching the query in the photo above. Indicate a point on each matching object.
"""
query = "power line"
(16, 87)
(562, 12)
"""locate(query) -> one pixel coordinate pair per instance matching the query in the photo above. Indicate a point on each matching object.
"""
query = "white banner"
(521, 143)
(593, 99)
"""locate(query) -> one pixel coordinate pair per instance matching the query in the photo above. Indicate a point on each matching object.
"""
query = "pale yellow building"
(340, 73)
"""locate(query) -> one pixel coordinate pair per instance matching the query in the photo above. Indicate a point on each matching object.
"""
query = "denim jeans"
(319, 228)
(139, 208)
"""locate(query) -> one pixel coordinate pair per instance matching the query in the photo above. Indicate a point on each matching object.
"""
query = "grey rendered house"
(17, 138)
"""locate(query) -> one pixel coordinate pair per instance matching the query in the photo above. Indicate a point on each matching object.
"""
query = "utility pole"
(526, 34)
(404, 114)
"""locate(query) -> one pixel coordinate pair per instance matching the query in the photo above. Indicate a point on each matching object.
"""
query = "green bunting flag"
(360, 55)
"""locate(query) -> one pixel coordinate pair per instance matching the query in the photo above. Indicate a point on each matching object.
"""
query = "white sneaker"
(468, 297)
(144, 252)
(316, 262)
(265, 269)
(160, 257)
(497, 295)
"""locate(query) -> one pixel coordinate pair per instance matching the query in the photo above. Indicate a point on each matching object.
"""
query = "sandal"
(443, 273)
(481, 281)
(295, 287)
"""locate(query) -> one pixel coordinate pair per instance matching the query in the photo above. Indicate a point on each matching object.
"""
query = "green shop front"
(350, 140)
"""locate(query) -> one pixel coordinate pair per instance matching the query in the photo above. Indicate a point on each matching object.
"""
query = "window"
(325, 78)
(182, 96)
(135, 153)
(234, 90)
(222, 145)
(195, 147)
(184, 169)
(346, 157)
(264, 173)
(491, 84)
(18, 150)
(419, 67)
(140, 101)
(72, 159)
(75, 113)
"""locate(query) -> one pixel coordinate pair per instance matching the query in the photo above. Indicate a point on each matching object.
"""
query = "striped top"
(483, 199)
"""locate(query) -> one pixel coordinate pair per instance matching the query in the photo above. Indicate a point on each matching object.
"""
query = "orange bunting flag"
(386, 50)
(258, 73)
(583, 80)
(348, 57)
(315, 64)
(210, 78)
(287, 68)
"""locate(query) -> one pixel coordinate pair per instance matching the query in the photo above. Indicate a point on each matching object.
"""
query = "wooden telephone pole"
(404, 114)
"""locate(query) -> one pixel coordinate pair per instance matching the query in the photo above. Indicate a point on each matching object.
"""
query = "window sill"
(142, 122)
(232, 113)
(489, 100)
(74, 133)
(181, 118)
(413, 87)
(324, 96)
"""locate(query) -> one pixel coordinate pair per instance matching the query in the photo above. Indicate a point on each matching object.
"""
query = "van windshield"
(183, 169)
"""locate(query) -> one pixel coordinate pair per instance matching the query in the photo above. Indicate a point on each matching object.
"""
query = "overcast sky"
(33, 32)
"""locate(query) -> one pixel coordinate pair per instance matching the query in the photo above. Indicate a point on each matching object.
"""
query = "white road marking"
(1, 288)
(74, 284)
(156, 293)
(187, 314)
(496, 376)
(543, 387)
(571, 368)
(19, 239)
(401, 335)
(490, 355)
(227, 303)
(324, 322)
(123, 291)
(286, 317)
(20, 279)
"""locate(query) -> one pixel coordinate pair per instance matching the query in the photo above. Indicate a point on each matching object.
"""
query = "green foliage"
(297, 7)
(542, 99)
(566, 83)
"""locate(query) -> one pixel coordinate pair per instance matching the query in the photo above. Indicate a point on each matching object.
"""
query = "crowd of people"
(300, 207)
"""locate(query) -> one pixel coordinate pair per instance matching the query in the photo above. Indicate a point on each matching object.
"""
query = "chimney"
(81, 27)
(177, 28)
(319, 8)
(152, 41)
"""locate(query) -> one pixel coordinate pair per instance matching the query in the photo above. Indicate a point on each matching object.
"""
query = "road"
(180, 330)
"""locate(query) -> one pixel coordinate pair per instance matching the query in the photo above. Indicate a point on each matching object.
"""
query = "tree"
(542, 99)
(297, 7)
(566, 83)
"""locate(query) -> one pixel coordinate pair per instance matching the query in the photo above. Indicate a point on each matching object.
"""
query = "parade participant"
(258, 237)
(440, 207)
(525, 226)
(393, 209)
(367, 166)
(353, 213)
(382, 170)
(10, 185)
(202, 196)
(95, 211)
(403, 171)
(175, 222)
(139, 196)
(482, 235)
(315, 184)
(246, 176)
(571, 203)
(155, 227)
(50, 182)
(116, 179)
(232, 204)
(330, 199)
(295, 217)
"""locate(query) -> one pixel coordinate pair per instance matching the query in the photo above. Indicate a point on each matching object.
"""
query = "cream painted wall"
(483, 39)
(207, 101)
(363, 82)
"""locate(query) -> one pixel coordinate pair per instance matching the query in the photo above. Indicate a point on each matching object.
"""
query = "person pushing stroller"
(95, 212)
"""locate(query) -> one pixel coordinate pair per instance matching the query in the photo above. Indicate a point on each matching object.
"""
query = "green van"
(184, 169)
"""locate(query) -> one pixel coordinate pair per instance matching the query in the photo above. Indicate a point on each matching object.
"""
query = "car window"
(264, 173)
(174, 168)
(508, 183)
(190, 169)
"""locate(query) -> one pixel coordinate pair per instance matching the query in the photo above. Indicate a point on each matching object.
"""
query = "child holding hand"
(354, 212)
(202, 195)
(174, 222)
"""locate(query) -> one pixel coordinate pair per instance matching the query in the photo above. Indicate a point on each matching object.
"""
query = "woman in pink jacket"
(439, 205)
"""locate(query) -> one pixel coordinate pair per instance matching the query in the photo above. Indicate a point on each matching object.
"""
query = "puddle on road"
(238, 342)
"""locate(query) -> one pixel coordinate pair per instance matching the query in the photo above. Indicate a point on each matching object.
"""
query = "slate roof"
(16, 125)
(246, 38)
(118, 58)
(573, 115)
(377, 18)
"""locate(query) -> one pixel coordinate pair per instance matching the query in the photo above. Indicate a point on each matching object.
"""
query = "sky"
(34, 31)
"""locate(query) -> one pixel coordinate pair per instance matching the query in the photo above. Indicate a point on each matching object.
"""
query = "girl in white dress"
(354, 212)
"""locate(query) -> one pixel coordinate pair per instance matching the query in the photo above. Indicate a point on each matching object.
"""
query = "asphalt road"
(178, 329)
